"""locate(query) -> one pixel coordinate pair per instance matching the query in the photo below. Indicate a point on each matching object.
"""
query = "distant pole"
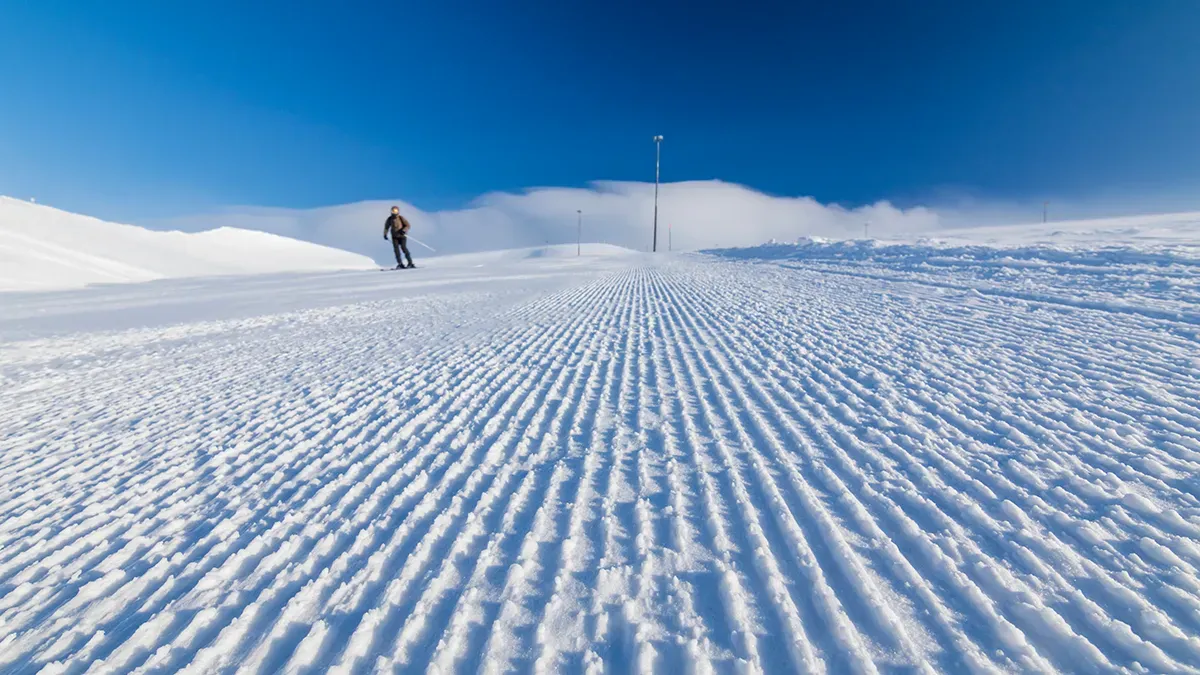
(867, 230)
(670, 243)
(579, 234)
(657, 156)
(1045, 210)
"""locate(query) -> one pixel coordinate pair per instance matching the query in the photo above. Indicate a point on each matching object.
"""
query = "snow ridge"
(43, 248)
(695, 464)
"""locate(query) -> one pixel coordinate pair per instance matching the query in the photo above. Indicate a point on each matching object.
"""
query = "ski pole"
(423, 243)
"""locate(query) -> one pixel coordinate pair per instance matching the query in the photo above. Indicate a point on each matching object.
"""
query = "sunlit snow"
(814, 457)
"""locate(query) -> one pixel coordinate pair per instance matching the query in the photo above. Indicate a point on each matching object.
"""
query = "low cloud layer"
(692, 215)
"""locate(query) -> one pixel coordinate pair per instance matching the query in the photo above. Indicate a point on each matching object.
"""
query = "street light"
(657, 155)
(579, 234)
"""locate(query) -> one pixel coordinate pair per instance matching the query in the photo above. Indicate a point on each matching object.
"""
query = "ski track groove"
(692, 465)
(808, 510)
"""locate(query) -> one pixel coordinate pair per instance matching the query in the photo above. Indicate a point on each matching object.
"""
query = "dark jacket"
(396, 225)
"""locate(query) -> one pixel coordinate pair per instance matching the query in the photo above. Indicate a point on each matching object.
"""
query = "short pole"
(579, 234)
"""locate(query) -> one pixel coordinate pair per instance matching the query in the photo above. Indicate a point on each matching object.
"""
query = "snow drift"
(43, 248)
(1144, 265)
(1165, 238)
(1176, 233)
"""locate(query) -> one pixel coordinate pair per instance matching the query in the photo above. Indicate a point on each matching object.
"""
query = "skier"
(398, 226)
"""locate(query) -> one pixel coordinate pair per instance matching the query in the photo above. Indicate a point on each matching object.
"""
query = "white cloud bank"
(698, 214)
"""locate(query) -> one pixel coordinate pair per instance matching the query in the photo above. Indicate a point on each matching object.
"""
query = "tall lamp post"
(657, 156)
(579, 234)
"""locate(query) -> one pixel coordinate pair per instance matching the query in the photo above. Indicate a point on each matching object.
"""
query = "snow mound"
(42, 248)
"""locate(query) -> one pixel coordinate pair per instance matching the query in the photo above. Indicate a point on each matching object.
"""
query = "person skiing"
(398, 226)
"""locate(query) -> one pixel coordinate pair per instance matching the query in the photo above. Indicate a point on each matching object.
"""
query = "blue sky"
(145, 109)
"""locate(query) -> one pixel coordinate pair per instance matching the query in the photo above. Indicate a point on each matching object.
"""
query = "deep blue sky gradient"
(132, 109)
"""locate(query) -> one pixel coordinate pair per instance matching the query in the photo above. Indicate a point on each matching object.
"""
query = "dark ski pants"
(401, 244)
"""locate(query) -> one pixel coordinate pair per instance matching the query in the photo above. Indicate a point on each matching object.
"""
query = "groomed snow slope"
(672, 464)
(42, 248)
(567, 253)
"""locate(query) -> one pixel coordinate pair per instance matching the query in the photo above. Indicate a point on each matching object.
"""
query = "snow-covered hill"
(43, 248)
(838, 458)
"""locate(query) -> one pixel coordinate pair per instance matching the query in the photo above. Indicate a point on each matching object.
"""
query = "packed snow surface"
(1179, 232)
(797, 459)
(43, 248)
(565, 252)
